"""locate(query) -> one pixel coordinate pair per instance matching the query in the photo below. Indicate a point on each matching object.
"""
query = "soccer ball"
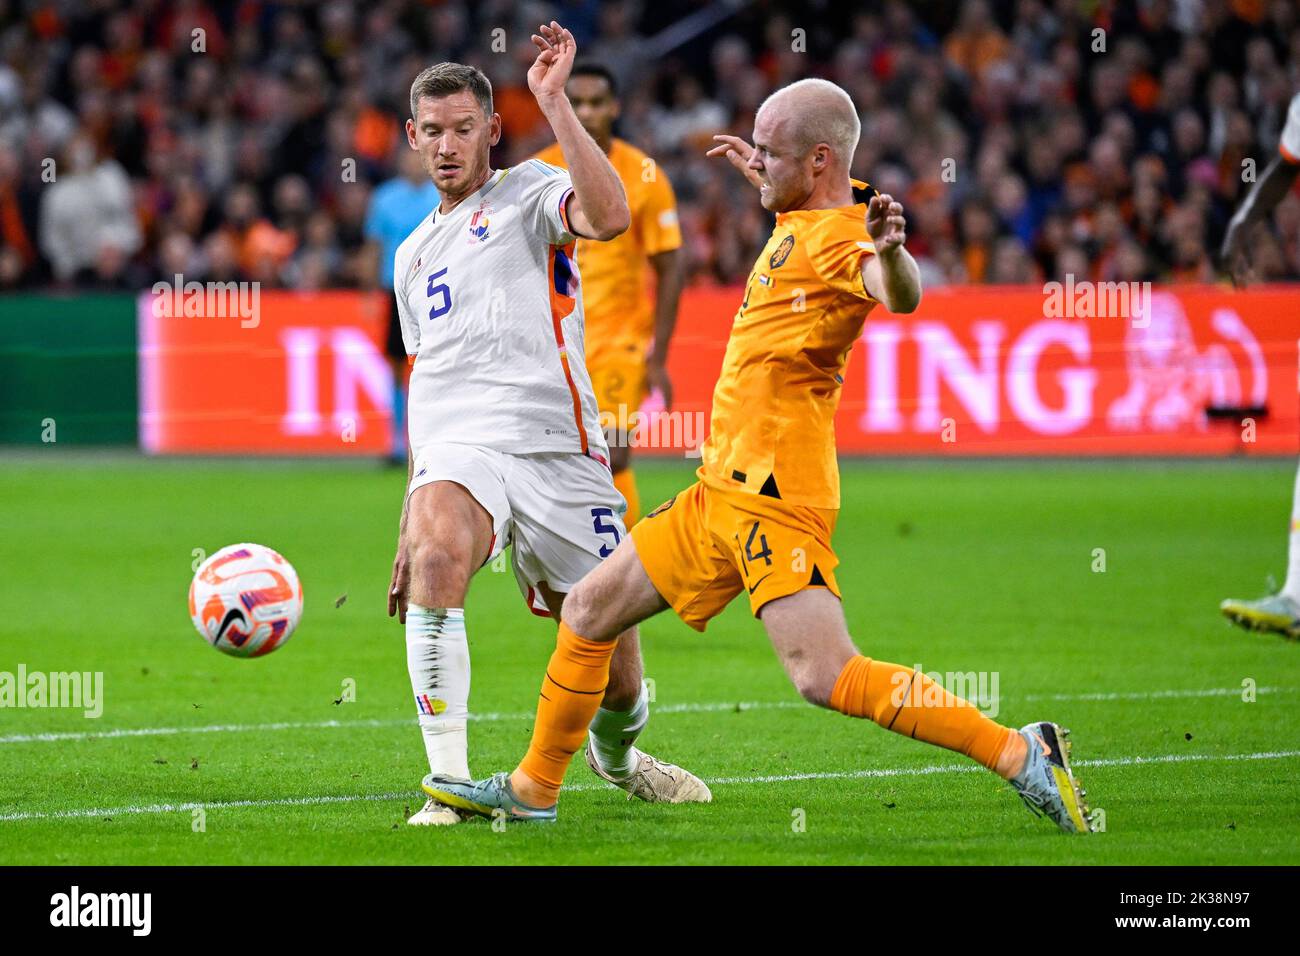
(245, 600)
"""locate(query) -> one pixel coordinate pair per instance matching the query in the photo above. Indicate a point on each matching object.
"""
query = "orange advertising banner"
(989, 370)
(226, 368)
(1197, 370)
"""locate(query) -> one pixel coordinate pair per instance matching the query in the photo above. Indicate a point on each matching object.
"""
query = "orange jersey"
(618, 308)
(773, 429)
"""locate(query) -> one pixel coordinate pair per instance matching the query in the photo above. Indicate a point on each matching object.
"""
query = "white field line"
(715, 707)
(1159, 694)
(333, 724)
(413, 797)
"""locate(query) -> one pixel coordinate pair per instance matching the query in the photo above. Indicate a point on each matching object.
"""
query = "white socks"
(1291, 588)
(612, 734)
(437, 657)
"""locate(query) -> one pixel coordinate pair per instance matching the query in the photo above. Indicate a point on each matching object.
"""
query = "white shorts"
(559, 512)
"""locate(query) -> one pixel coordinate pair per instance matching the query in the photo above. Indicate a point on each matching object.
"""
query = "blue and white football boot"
(1277, 613)
(1047, 784)
(491, 798)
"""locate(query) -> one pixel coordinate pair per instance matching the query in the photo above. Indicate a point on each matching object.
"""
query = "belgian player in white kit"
(505, 442)
(1276, 612)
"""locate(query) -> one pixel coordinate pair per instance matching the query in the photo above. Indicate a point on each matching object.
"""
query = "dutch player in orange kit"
(761, 516)
(627, 336)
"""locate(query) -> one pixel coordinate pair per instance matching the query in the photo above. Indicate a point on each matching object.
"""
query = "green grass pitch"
(957, 566)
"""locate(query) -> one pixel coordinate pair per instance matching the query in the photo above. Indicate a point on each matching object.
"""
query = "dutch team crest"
(478, 223)
(782, 253)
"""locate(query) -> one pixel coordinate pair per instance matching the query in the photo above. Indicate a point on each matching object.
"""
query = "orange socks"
(571, 693)
(625, 482)
(909, 703)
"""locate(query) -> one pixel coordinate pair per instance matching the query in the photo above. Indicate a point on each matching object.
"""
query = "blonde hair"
(821, 112)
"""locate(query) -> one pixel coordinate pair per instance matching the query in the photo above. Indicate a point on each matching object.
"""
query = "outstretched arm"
(598, 207)
(668, 289)
(891, 275)
(1257, 206)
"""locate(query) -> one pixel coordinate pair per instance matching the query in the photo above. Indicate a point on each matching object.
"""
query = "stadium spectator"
(89, 227)
(18, 253)
(232, 125)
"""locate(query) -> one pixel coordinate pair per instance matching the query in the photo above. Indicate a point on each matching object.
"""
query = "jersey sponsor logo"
(782, 253)
(478, 223)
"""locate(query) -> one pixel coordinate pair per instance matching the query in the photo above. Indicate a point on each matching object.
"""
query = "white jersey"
(489, 300)
(1289, 145)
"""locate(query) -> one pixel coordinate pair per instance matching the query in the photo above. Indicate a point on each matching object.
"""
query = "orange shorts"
(705, 546)
(618, 378)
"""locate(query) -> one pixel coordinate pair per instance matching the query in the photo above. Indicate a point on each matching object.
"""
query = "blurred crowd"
(1027, 139)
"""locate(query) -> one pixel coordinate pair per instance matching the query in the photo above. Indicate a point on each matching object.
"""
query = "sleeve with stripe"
(1289, 145)
(545, 190)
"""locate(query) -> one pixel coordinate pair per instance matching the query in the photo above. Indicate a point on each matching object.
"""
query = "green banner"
(68, 369)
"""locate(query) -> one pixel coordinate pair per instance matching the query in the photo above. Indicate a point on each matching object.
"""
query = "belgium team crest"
(478, 223)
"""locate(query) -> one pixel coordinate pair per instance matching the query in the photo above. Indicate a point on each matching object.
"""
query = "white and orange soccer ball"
(246, 600)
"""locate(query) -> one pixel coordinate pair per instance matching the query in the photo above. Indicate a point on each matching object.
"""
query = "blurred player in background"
(1278, 612)
(761, 516)
(396, 208)
(622, 323)
(505, 445)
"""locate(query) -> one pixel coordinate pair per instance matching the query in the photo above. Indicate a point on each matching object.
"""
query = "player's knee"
(442, 564)
(579, 612)
(583, 613)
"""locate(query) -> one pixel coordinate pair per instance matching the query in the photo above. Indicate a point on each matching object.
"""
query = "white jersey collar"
(487, 187)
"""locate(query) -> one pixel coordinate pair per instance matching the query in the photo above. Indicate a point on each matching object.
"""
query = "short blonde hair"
(822, 113)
